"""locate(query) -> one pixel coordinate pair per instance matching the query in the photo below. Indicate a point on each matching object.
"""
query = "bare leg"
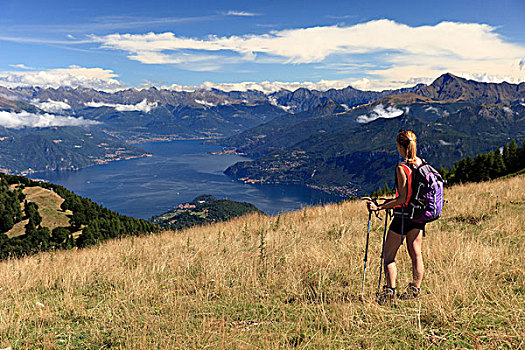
(414, 240)
(392, 243)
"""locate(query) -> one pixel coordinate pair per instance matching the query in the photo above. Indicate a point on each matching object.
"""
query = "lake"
(177, 172)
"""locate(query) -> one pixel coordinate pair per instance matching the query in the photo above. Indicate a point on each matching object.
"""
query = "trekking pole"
(387, 213)
(367, 239)
(366, 253)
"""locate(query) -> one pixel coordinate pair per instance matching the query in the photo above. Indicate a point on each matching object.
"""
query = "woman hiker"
(406, 145)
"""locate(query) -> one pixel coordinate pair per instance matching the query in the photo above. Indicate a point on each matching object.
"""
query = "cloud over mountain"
(73, 76)
(51, 106)
(143, 106)
(380, 111)
(264, 86)
(13, 120)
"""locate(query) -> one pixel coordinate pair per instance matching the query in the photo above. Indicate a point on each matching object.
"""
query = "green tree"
(86, 238)
(521, 156)
(41, 238)
(6, 223)
(30, 227)
(59, 236)
(31, 211)
(506, 158)
(513, 157)
(498, 167)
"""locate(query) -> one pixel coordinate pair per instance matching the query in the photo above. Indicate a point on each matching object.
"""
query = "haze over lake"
(177, 172)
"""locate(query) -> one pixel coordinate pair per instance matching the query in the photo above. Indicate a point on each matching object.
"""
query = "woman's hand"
(372, 206)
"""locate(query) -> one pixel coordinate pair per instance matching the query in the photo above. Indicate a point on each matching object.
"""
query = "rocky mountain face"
(303, 99)
(149, 114)
(25, 151)
(288, 129)
(354, 151)
(37, 132)
(260, 124)
(449, 87)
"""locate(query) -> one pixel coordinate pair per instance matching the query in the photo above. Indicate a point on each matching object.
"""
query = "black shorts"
(409, 225)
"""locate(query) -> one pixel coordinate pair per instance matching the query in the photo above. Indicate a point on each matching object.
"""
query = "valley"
(336, 141)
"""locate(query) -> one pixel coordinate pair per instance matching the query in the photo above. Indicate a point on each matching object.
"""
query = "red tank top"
(408, 173)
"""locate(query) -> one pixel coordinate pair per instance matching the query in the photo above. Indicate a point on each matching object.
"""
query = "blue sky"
(369, 44)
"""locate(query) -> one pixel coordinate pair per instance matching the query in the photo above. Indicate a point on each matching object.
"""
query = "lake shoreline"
(177, 172)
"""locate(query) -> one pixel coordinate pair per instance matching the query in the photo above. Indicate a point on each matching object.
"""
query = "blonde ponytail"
(407, 140)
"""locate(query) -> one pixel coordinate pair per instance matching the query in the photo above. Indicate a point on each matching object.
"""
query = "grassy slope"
(48, 207)
(293, 281)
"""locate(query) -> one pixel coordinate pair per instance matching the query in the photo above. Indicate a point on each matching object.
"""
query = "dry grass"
(48, 207)
(280, 282)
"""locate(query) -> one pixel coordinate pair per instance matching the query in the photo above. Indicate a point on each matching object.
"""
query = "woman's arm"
(401, 190)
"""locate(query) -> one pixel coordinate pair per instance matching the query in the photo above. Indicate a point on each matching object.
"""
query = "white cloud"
(205, 103)
(51, 106)
(380, 111)
(21, 66)
(73, 76)
(407, 52)
(13, 120)
(104, 80)
(445, 143)
(441, 113)
(143, 106)
(363, 84)
(240, 13)
(265, 86)
(273, 101)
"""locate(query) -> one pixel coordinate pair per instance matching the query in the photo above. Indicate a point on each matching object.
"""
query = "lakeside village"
(339, 191)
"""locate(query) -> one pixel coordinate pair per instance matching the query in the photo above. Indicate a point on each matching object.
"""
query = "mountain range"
(329, 131)
(40, 127)
(353, 151)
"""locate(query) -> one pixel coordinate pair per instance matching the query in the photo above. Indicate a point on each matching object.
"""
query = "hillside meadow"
(48, 207)
(290, 281)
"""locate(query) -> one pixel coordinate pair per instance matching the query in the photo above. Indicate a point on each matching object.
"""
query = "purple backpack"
(426, 203)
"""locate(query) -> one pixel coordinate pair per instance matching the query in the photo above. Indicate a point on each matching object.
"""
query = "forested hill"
(38, 216)
(487, 166)
(204, 209)
(28, 150)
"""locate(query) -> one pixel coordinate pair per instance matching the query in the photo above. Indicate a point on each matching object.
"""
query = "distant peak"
(450, 76)
(446, 78)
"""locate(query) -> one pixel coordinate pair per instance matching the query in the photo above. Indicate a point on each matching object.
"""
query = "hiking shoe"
(412, 292)
(387, 296)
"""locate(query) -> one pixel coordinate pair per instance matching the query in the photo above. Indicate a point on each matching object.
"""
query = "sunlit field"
(289, 281)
